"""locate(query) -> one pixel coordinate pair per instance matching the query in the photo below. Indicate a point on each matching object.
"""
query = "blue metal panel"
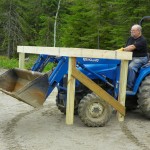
(142, 74)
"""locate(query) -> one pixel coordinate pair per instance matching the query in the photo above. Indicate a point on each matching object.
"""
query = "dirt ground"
(24, 128)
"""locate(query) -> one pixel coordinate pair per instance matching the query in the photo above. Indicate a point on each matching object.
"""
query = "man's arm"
(129, 48)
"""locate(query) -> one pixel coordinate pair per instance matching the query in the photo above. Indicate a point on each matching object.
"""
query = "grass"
(7, 63)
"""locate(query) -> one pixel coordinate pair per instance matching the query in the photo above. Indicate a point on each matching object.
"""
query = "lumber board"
(75, 52)
(122, 87)
(21, 60)
(70, 92)
(98, 90)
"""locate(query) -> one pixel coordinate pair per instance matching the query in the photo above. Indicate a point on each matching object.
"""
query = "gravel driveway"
(24, 128)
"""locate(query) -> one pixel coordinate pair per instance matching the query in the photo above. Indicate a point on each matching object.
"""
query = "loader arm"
(42, 61)
(57, 74)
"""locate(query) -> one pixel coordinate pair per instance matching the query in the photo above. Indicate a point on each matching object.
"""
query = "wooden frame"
(75, 52)
(73, 74)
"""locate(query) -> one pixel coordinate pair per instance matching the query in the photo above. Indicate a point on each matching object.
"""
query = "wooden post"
(70, 92)
(21, 60)
(122, 87)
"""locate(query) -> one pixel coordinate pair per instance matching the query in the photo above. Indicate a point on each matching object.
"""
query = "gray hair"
(137, 26)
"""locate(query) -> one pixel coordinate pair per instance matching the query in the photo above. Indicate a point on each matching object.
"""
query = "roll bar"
(143, 19)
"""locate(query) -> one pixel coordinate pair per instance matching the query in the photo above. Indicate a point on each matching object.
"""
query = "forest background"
(97, 24)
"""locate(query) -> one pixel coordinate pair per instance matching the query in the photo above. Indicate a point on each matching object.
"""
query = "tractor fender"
(142, 74)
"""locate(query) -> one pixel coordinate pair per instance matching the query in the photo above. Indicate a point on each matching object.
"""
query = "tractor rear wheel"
(94, 111)
(144, 97)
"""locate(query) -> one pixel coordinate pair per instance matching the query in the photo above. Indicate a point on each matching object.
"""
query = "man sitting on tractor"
(137, 44)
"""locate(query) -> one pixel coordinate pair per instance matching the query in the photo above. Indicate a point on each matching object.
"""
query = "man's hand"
(120, 49)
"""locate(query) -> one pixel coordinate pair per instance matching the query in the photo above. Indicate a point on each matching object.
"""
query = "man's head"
(136, 31)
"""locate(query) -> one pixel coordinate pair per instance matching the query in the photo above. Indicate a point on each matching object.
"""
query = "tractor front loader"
(32, 87)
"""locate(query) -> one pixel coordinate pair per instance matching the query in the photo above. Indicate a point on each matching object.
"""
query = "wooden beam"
(70, 92)
(99, 91)
(122, 87)
(21, 60)
(76, 52)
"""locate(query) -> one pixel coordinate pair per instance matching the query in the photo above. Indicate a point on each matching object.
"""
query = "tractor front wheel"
(144, 97)
(94, 111)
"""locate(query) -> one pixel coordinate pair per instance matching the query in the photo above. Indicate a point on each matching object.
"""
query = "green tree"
(102, 24)
(80, 27)
(41, 21)
(12, 25)
(129, 13)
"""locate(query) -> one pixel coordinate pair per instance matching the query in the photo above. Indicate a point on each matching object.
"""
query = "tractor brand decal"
(91, 59)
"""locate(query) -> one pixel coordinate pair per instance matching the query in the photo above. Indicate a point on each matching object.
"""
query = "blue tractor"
(33, 87)
(106, 73)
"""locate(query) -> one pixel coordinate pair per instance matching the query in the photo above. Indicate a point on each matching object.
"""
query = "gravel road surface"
(24, 128)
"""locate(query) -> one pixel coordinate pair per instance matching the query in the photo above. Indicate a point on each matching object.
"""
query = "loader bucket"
(27, 86)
